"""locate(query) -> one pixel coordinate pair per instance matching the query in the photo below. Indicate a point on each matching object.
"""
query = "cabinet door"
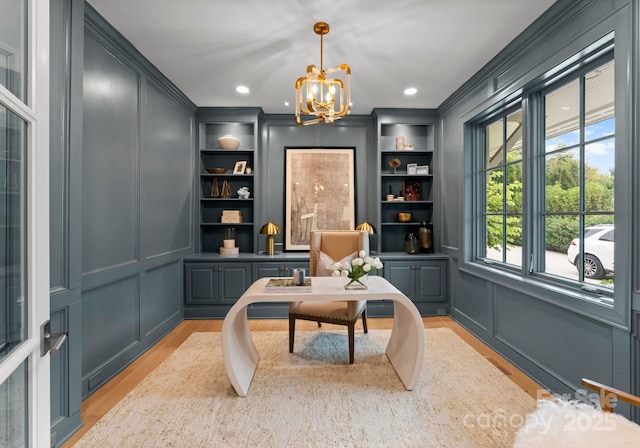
(234, 279)
(261, 270)
(431, 282)
(200, 284)
(400, 275)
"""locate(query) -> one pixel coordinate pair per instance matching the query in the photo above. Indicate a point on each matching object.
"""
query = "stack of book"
(286, 284)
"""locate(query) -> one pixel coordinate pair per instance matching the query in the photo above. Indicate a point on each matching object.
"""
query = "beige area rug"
(314, 398)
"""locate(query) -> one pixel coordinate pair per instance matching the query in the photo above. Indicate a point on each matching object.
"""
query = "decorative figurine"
(243, 193)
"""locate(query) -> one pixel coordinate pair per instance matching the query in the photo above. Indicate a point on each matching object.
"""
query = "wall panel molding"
(135, 234)
(67, 46)
(280, 130)
(60, 393)
(111, 162)
(635, 363)
(167, 161)
(163, 298)
(559, 18)
(111, 327)
(112, 38)
(537, 332)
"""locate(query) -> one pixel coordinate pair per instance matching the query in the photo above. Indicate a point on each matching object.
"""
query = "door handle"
(51, 342)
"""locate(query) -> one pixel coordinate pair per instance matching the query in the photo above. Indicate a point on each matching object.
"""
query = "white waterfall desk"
(405, 349)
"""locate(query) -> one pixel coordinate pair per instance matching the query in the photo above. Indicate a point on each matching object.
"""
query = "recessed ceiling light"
(410, 91)
(242, 89)
(286, 103)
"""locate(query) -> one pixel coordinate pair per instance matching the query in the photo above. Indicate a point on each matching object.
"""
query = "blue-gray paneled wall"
(110, 316)
(280, 131)
(110, 218)
(136, 202)
(67, 23)
(160, 302)
(555, 343)
(167, 159)
(576, 340)
(122, 139)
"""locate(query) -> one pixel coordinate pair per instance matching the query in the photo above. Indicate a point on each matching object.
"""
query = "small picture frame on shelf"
(240, 167)
(424, 169)
(412, 190)
(412, 168)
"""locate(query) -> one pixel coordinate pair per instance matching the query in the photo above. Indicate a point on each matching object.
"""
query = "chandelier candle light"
(317, 95)
(357, 271)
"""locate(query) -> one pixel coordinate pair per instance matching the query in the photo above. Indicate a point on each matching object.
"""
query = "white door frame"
(36, 115)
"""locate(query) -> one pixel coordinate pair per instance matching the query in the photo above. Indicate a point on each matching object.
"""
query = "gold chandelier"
(326, 99)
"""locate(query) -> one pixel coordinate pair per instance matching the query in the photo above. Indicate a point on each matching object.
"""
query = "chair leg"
(351, 342)
(364, 320)
(319, 324)
(292, 332)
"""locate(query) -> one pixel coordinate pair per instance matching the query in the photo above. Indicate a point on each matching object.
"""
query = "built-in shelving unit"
(214, 281)
(243, 125)
(413, 192)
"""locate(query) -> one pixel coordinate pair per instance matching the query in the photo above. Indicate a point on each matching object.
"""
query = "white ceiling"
(208, 47)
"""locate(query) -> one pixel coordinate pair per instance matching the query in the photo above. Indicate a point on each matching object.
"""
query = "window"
(503, 188)
(579, 171)
(543, 187)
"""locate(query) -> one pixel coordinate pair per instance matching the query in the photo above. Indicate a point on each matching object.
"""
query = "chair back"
(337, 244)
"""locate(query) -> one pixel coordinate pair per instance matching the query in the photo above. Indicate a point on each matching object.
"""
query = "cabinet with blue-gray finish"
(278, 269)
(215, 283)
(420, 280)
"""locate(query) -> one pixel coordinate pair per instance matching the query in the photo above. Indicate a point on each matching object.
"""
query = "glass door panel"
(12, 278)
(24, 236)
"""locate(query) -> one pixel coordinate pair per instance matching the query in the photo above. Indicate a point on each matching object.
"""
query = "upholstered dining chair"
(325, 248)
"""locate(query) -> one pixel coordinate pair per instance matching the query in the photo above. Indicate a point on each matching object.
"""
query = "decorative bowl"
(228, 142)
(405, 216)
(217, 170)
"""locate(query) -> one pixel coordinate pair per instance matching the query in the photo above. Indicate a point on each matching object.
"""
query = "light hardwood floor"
(100, 402)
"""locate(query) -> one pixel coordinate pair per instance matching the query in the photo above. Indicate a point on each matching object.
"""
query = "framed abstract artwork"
(319, 193)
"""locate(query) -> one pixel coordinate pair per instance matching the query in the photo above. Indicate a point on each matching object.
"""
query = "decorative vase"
(411, 243)
(228, 142)
(357, 283)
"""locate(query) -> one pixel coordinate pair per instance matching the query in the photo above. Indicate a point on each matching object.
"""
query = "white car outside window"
(598, 248)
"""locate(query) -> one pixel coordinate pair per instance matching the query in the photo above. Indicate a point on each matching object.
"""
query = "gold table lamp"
(270, 229)
(367, 228)
(371, 230)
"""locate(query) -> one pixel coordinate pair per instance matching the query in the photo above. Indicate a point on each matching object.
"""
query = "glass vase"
(357, 283)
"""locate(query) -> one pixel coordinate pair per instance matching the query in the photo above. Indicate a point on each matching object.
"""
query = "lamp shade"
(367, 228)
(270, 229)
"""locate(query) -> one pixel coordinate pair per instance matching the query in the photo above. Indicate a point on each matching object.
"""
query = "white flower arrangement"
(359, 267)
